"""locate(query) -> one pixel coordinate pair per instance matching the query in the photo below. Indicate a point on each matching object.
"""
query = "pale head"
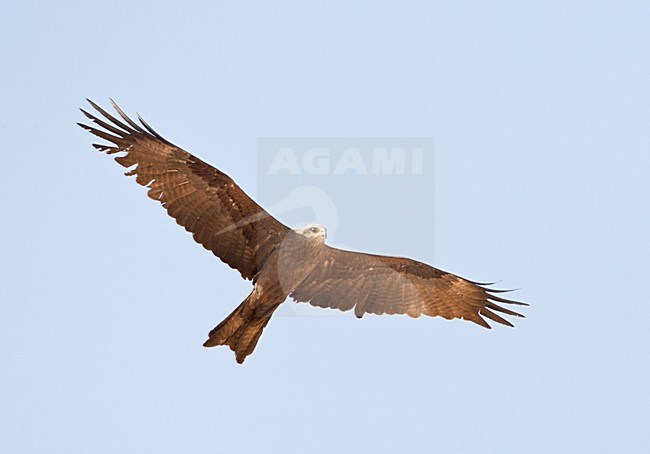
(312, 231)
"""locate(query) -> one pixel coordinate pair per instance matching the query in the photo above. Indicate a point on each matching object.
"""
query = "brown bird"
(280, 261)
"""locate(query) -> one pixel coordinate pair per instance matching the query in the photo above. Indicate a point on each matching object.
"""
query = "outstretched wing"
(395, 285)
(204, 200)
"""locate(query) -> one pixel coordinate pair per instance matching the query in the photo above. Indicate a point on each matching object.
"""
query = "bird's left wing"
(202, 199)
(394, 285)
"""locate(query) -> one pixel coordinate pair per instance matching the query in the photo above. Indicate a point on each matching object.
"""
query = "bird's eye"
(314, 229)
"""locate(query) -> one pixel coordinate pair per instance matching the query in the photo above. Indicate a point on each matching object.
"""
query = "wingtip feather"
(494, 317)
(125, 117)
(506, 301)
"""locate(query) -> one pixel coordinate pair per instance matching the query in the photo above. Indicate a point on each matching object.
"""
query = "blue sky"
(540, 178)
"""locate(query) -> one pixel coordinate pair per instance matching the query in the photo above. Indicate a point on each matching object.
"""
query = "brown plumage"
(280, 261)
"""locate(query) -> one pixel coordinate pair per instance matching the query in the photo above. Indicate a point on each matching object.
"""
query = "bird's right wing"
(202, 199)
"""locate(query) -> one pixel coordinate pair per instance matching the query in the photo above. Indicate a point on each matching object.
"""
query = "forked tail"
(241, 329)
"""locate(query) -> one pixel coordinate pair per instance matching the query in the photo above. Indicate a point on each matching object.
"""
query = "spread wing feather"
(201, 198)
(394, 285)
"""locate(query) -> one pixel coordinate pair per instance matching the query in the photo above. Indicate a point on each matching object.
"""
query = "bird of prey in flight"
(281, 262)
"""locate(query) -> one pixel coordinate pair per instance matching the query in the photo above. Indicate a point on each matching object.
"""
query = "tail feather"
(229, 326)
(240, 330)
(246, 338)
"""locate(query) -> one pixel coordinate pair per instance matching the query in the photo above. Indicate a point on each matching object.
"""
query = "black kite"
(280, 261)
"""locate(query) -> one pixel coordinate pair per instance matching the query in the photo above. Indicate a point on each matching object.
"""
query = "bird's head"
(313, 231)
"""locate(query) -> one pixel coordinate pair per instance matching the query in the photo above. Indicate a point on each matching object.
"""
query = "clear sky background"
(540, 113)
